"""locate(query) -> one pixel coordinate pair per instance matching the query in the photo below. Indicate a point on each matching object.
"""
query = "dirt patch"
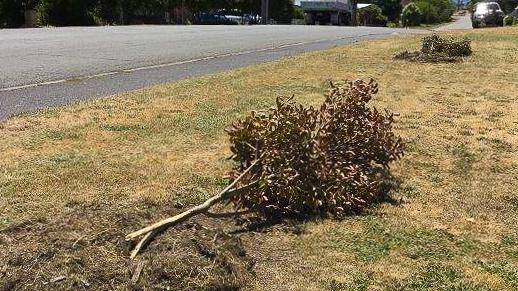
(85, 248)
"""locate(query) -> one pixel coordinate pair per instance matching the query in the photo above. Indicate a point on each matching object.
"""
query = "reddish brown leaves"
(317, 161)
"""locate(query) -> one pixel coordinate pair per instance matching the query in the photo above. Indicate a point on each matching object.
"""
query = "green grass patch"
(438, 277)
(505, 270)
(359, 282)
(378, 239)
(464, 159)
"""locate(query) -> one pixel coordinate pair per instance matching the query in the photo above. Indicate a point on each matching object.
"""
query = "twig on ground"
(137, 272)
(152, 230)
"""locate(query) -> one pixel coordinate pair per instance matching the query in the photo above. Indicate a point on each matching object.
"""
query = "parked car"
(213, 19)
(487, 13)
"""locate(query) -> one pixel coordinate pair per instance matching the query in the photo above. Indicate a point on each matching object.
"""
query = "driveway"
(462, 22)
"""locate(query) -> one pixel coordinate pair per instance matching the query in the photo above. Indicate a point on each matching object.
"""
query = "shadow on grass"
(264, 221)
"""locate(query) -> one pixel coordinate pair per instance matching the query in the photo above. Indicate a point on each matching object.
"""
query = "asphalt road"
(54, 66)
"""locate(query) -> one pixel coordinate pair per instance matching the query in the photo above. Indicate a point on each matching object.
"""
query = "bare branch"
(154, 229)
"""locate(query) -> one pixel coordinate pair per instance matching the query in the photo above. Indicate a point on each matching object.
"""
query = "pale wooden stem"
(154, 229)
(142, 243)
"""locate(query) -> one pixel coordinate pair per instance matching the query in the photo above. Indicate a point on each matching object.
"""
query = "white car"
(487, 13)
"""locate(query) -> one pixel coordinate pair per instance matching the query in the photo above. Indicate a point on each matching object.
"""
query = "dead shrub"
(331, 160)
(436, 49)
(306, 161)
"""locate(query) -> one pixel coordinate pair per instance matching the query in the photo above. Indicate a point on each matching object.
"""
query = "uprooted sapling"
(436, 49)
(292, 159)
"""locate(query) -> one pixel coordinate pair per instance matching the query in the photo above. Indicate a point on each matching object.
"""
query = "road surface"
(55, 66)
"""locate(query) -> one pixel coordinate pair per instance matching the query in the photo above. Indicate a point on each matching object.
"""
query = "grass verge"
(75, 179)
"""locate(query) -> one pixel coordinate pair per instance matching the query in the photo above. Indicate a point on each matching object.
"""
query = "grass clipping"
(436, 49)
(290, 159)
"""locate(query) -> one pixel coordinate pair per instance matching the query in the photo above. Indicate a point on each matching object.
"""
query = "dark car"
(213, 19)
(487, 13)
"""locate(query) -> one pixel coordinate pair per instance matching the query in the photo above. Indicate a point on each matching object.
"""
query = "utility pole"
(264, 11)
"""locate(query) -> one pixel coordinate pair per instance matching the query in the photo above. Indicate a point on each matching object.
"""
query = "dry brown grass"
(99, 169)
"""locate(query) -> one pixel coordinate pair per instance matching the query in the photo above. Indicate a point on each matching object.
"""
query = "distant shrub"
(66, 12)
(371, 15)
(316, 161)
(393, 24)
(390, 8)
(508, 20)
(280, 10)
(435, 11)
(437, 49)
(11, 13)
(298, 13)
(411, 15)
(471, 6)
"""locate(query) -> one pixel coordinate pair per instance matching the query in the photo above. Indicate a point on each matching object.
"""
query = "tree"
(281, 11)
(436, 11)
(411, 15)
(371, 15)
(91, 12)
(390, 8)
(12, 12)
(67, 12)
(298, 13)
(109, 11)
(508, 5)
